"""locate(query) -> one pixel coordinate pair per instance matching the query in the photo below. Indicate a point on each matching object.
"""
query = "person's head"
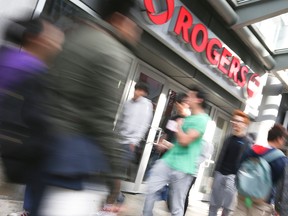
(240, 122)
(117, 13)
(277, 136)
(43, 37)
(141, 90)
(196, 98)
(37, 36)
(181, 98)
(182, 104)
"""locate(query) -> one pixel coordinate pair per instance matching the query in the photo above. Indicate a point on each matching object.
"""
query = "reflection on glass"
(207, 178)
(155, 88)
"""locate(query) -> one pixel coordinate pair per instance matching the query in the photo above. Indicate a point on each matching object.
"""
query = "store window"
(64, 14)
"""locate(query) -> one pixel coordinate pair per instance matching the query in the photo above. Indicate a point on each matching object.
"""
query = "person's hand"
(183, 109)
(167, 144)
(132, 147)
(161, 148)
(164, 145)
(180, 109)
(179, 123)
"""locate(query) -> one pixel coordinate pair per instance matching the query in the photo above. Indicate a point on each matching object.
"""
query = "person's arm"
(184, 139)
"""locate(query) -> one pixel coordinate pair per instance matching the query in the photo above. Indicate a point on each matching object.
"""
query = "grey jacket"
(135, 120)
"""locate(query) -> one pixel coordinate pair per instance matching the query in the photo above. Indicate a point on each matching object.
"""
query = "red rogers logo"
(196, 36)
(163, 17)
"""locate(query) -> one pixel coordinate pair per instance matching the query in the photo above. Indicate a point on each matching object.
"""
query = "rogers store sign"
(196, 36)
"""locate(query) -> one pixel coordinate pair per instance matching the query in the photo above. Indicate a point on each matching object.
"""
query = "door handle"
(208, 162)
(159, 136)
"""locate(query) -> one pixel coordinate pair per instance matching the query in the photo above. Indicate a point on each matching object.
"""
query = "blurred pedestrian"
(170, 127)
(82, 96)
(166, 141)
(178, 166)
(281, 194)
(182, 110)
(223, 189)
(20, 69)
(248, 206)
(132, 127)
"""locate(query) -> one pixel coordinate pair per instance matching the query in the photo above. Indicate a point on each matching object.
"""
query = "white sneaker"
(105, 213)
(22, 213)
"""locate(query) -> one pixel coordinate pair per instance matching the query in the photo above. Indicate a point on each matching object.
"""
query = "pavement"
(11, 200)
(133, 206)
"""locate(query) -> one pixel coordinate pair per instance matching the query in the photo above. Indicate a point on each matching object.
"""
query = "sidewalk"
(134, 206)
(133, 203)
(11, 197)
(11, 200)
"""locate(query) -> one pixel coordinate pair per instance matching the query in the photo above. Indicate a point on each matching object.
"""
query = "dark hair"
(277, 131)
(180, 97)
(18, 31)
(108, 7)
(142, 86)
(243, 115)
(199, 94)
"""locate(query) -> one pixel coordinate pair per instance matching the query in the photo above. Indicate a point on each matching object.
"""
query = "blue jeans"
(27, 205)
(179, 182)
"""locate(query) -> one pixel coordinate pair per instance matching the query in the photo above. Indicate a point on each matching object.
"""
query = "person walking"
(132, 128)
(82, 96)
(179, 164)
(247, 206)
(20, 71)
(224, 191)
(170, 125)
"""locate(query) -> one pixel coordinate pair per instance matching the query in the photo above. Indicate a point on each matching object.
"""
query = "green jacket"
(84, 89)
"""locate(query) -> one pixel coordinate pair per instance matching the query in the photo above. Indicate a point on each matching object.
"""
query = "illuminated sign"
(196, 37)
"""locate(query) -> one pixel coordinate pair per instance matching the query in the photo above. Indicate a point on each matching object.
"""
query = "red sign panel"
(197, 37)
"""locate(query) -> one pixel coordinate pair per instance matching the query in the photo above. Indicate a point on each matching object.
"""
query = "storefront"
(177, 50)
(205, 60)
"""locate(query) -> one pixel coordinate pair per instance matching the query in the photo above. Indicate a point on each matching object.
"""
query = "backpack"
(281, 196)
(254, 178)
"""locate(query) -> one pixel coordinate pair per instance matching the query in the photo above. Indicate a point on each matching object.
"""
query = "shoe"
(105, 213)
(120, 198)
(22, 213)
(107, 210)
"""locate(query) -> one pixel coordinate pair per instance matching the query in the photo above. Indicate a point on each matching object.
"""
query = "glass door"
(162, 93)
(220, 127)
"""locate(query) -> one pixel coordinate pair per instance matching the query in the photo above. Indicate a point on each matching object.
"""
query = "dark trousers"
(187, 197)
